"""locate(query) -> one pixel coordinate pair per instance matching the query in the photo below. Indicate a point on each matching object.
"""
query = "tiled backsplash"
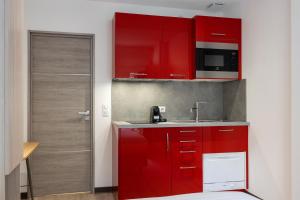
(132, 100)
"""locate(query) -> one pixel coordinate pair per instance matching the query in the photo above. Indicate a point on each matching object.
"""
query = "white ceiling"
(183, 4)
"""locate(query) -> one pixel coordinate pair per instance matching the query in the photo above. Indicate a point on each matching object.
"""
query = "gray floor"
(79, 196)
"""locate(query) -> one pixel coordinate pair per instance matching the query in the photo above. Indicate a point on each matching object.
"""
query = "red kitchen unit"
(227, 139)
(220, 30)
(153, 47)
(155, 162)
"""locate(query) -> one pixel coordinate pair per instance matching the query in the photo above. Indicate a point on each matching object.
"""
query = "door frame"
(92, 83)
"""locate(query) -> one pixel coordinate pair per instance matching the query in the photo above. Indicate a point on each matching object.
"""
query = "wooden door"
(61, 77)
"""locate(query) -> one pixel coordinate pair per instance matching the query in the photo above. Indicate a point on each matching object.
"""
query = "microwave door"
(216, 63)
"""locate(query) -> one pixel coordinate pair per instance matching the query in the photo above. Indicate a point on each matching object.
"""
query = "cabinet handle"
(168, 142)
(177, 75)
(133, 74)
(191, 167)
(187, 141)
(226, 130)
(192, 131)
(218, 34)
(223, 158)
(187, 151)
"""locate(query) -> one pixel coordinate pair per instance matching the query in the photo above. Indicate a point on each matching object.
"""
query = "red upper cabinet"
(178, 47)
(144, 163)
(137, 41)
(153, 47)
(218, 29)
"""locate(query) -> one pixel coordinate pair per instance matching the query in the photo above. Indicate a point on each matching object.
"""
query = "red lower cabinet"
(186, 160)
(144, 163)
(154, 162)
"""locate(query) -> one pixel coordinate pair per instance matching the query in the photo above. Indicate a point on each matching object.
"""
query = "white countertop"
(123, 124)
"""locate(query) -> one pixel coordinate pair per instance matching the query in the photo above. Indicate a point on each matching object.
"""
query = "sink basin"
(193, 121)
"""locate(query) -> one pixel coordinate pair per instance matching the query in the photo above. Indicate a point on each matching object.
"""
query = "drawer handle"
(177, 75)
(226, 130)
(218, 34)
(191, 167)
(187, 151)
(223, 158)
(191, 131)
(187, 141)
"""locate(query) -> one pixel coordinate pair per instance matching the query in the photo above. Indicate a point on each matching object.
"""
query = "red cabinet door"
(137, 40)
(178, 48)
(144, 163)
(218, 29)
(225, 139)
(187, 160)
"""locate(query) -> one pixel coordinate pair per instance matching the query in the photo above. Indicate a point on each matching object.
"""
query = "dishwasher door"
(224, 171)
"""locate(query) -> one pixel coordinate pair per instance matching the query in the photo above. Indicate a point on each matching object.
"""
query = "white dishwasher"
(224, 171)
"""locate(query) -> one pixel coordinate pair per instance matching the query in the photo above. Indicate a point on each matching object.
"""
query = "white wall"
(2, 176)
(15, 83)
(266, 64)
(295, 98)
(85, 16)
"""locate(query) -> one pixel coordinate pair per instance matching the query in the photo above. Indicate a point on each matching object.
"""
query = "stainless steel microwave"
(217, 60)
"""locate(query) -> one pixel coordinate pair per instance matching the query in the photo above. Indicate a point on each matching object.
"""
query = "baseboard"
(105, 189)
(252, 194)
(24, 195)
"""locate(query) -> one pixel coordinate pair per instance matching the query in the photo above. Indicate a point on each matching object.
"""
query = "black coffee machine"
(155, 115)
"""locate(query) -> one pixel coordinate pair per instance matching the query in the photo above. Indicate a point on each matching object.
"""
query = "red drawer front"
(187, 160)
(187, 172)
(225, 139)
(187, 139)
(187, 179)
(218, 29)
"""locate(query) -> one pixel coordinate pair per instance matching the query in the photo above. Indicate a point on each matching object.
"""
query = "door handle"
(85, 115)
(168, 142)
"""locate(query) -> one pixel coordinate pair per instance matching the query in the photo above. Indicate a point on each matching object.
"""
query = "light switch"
(105, 111)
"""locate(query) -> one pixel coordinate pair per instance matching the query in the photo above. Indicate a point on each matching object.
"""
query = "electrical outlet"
(162, 109)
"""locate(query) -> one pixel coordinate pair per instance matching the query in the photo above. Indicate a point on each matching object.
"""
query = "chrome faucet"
(197, 109)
